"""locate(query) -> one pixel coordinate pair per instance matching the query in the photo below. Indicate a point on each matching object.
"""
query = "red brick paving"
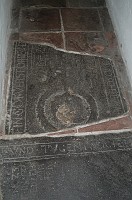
(92, 42)
(50, 38)
(117, 124)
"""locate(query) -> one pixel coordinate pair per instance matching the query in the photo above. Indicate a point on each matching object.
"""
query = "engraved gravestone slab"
(52, 90)
(91, 167)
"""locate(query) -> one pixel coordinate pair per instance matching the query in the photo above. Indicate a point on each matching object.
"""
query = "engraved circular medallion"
(64, 109)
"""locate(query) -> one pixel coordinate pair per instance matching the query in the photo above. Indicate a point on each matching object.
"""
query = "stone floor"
(82, 27)
(53, 90)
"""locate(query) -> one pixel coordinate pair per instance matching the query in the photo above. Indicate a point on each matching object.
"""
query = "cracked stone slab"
(91, 167)
(51, 90)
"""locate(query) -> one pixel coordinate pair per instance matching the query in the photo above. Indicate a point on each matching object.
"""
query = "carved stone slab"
(52, 90)
(91, 167)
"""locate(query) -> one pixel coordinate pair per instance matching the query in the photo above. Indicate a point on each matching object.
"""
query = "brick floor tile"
(50, 38)
(85, 42)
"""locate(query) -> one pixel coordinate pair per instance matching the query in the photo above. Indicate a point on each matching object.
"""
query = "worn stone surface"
(47, 3)
(38, 3)
(50, 92)
(90, 42)
(106, 21)
(49, 38)
(81, 20)
(86, 3)
(101, 3)
(39, 20)
(59, 3)
(112, 40)
(81, 3)
(15, 19)
(92, 167)
(14, 37)
(116, 124)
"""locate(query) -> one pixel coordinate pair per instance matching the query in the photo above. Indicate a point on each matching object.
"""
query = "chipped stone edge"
(44, 135)
(62, 49)
(64, 132)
